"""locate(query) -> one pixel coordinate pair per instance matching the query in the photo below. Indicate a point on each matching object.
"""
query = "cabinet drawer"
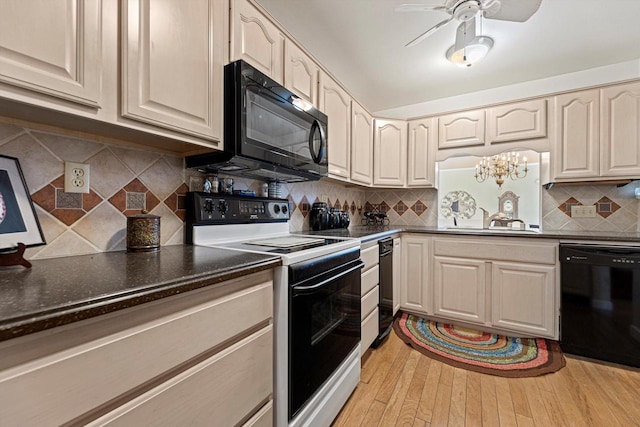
(525, 250)
(220, 391)
(369, 302)
(123, 351)
(263, 418)
(369, 331)
(370, 278)
(370, 257)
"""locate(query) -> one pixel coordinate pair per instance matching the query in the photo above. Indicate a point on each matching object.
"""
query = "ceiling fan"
(465, 10)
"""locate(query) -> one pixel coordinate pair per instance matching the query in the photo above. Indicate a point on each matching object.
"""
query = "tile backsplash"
(124, 180)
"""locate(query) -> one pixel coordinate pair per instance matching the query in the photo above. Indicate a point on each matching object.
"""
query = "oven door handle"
(314, 288)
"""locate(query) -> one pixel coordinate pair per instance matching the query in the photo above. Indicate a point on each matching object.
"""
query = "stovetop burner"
(283, 245)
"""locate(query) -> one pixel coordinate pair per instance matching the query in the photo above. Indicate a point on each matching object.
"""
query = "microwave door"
(276, 130)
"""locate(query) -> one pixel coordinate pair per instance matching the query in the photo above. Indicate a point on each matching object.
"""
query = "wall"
(125, 180)
(122, 182)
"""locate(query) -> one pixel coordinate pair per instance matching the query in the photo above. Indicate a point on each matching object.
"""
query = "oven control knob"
(208, 206)
(284, 209)
(222, 206)
(276, 209)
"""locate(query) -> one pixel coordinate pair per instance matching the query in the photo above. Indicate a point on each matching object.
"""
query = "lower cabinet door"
(223, 390)
(523, 298)
(459, 289)
(415, 277)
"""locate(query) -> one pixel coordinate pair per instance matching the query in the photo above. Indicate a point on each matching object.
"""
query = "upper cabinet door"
(336, 104)
(172, 64)
(300, 73)
(361, 145)
(576, 145)
(256, 40)
(620, 127)
(463, 129)
(520, 120)
(389, 152)
(421, 156)
(53, 47)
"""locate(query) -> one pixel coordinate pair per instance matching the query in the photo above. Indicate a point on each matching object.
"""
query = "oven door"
(324, 327)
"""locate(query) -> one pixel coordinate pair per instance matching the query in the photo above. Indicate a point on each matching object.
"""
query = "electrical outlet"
(583, 211)
(76, 177)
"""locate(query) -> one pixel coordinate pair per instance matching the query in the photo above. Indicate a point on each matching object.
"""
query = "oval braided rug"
(480, 351)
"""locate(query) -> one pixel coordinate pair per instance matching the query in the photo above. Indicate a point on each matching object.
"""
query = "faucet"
(485, 218)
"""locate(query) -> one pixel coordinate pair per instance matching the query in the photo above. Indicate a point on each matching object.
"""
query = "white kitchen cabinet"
(459, 289)
(576, 145)
(390, 153)
(361, 145)
(370, 296)
(620, 131)
(172, 63)
(397, 273)
(336, 104)
(597, 134)
(201, 357)
(416, 274)
(421, 153)
(523, 297)
(517, 121)
(301, 73)
(464, 129)
(255, 39)
(509, 284)
(53, 48)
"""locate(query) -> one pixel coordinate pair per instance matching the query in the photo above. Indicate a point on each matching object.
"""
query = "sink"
(493, 230)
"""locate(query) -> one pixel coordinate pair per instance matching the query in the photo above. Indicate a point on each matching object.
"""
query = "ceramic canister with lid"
(143, 232)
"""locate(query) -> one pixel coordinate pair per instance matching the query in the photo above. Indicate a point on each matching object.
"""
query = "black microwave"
(269, 132)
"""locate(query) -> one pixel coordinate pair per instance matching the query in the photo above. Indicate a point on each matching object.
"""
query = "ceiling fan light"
(472, 53)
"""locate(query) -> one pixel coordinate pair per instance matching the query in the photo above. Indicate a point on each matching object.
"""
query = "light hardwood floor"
(401, 387)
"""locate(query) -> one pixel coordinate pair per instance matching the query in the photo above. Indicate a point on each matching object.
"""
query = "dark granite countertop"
(59, 291)
(366, 234)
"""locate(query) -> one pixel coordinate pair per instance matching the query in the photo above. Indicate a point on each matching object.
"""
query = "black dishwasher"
(600, 302)
(385, 283)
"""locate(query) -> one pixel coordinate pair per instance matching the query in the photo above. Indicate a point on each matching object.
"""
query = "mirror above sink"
(462, 197)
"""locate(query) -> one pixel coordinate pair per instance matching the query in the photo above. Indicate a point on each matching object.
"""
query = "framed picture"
(18, 220)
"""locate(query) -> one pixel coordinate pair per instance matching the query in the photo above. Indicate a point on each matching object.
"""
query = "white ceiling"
(361, 42)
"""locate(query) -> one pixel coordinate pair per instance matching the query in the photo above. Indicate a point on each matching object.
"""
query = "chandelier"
(500, 167)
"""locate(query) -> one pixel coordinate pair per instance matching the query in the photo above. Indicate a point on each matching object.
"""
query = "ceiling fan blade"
(408, 7)
(428, 32)
(512, 10)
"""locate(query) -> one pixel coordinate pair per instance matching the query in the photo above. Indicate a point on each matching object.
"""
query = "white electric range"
(316, 301)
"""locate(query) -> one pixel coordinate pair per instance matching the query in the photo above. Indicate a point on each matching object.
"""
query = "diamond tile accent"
(353, 208)
(305, 207)
(384, 207)
(566, 206)
(136, 201)
(121, 200)
(400, 208)
(419, 208)
(337, 204)
(605, 207)
(368, 207)
(177, 201)
(67, 207)
(68, 200)
(345, 206)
